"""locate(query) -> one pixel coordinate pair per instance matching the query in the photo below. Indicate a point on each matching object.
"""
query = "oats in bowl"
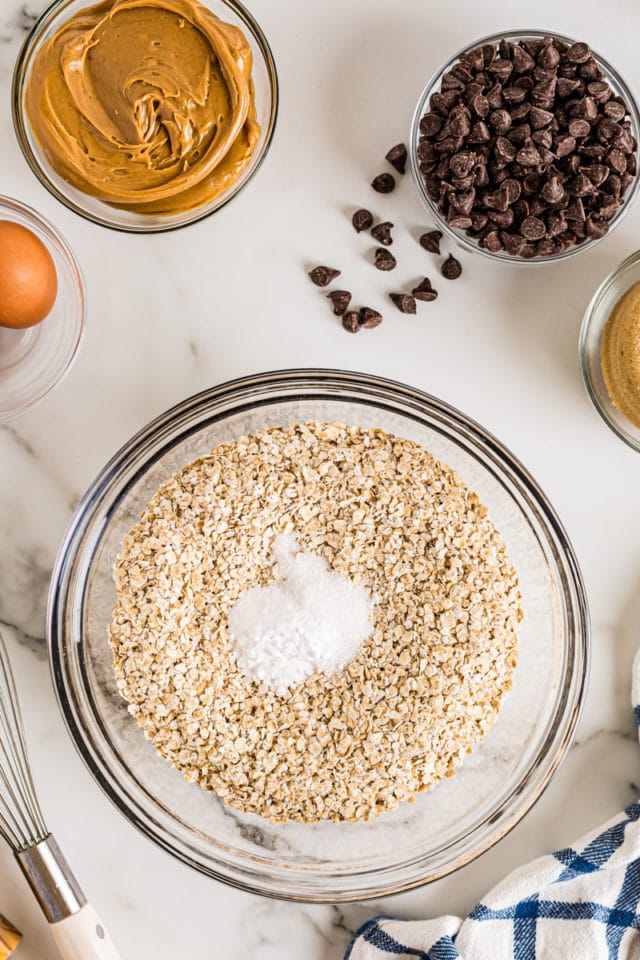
(425, 685)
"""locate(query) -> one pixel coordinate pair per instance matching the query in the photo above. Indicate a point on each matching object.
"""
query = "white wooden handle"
(83, 936)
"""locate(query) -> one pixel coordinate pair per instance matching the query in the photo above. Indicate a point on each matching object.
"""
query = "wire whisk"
(21, 822)
(76, 928)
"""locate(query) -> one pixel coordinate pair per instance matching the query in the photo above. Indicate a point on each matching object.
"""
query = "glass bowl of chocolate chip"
(524, 147)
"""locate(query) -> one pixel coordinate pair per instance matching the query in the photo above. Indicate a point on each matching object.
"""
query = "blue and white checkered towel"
(581, 903)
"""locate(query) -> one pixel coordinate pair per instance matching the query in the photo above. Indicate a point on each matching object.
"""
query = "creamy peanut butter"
(620, 355)
(146, 104)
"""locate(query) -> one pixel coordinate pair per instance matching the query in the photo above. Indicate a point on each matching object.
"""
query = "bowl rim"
(459, 236)
(155, 225)
(593, 322)
(286, 883)
(63, 248)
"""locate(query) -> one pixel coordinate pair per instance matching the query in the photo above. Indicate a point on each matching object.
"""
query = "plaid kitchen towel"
(581, 903)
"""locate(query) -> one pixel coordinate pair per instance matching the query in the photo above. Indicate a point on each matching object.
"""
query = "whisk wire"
(21, 819)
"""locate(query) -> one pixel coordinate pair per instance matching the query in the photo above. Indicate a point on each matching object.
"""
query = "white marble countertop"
(171, 315)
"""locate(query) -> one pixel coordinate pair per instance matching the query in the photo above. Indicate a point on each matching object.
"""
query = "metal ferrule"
(50, 877)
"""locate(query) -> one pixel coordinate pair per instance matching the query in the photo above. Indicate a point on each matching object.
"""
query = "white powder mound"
(310, 619)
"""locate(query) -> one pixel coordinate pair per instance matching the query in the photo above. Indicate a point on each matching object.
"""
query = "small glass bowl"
(595, 318)
(265, 81)
(34, 360)
(617, 84)
(324, 862)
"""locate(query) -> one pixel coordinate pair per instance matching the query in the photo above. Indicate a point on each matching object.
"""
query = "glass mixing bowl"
(617, 84)
(265, 81)
(34, 360)
(446, 827)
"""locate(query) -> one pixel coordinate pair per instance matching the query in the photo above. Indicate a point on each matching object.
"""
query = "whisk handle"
(83, 936)
(77, 930)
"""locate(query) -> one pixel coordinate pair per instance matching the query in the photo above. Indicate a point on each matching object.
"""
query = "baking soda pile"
(310, 619)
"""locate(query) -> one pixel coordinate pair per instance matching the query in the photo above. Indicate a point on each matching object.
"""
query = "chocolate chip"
(430, 124)
(503, 219)
(383, 183)
(384, 259)
(504, 150)
(479, 133)
(581, 186)
(546, 247)
(494, 96)
(543, 138)
(322, 276)
(404, 302)
(575, 211)
(549, 57)
(523, 62)
(424, 291)
(566, 87)
(491, 241)
(617, 160)
(540, 118)
(597, 173)
(596, 228)
(463, 201)
(478, 221)
(529, 155)
(340, 300)
(382, 233)
(397, 157)
(362, 220)
(513, 243)
(502, 69)
(608, 129)
(431, 241)
(533, 228)
(600, 91)
(459, 122)
(578, 53)
(451, 268)
(351, 321)
(579, 128)
(369, 318)
(616, 111)
(553, 191)
(564, 146)
(556, 224)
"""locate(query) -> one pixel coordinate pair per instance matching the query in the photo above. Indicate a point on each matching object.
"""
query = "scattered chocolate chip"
(340, 300)
(362, 220)
(431, 241)
(397, 157)
(383, 183)
(384, 259)
(382, 233)
(404, 302)
(451, 268)
(369, 318)
(322, 276)
(351, 322)
(424, 291)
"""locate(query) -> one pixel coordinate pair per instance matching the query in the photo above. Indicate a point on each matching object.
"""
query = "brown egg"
(28, 279)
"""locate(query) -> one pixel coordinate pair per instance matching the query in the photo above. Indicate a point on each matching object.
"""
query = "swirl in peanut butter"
(145, 104)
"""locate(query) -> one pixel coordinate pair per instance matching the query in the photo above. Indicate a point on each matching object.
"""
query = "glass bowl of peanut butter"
(145, 115)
